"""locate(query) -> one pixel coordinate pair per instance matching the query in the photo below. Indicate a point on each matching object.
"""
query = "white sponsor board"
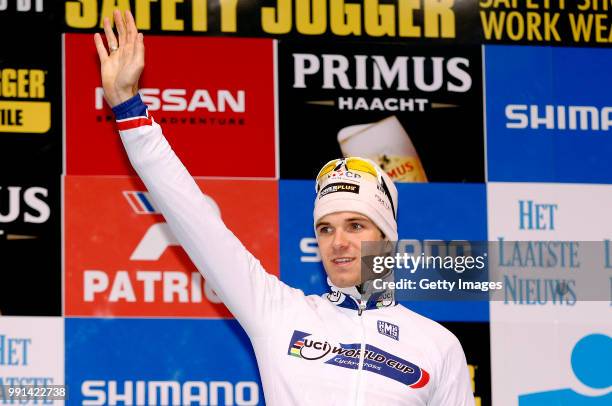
(539, 348)
(32, 353)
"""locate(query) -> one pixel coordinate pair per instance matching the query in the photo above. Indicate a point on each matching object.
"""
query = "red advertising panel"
(121, 259)
(214, 98)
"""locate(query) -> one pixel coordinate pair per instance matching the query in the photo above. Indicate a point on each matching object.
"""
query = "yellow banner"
(25, 116)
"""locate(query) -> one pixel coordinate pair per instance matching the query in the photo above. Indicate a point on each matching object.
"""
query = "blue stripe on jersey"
(133, 107)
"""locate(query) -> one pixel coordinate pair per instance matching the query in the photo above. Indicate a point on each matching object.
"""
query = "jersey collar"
(350, 298)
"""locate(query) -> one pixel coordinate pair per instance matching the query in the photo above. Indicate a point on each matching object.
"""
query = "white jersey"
(310, 350)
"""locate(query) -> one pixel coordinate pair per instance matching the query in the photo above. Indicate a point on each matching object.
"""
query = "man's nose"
(340, 240)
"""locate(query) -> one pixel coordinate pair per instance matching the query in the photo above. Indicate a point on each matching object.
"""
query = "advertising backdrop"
(415, 110)
(30, 90)
(31, 353)
(30, 246)
(154, 369)
(128, 262)
(542, 126)
(564, 344)
(218, 119)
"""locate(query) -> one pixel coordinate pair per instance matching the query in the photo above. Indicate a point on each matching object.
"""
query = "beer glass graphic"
(386, 143)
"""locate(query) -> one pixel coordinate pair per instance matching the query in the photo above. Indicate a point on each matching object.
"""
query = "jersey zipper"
(358, 395)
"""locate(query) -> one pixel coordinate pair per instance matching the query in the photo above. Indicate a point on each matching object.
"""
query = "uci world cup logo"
(305, 346)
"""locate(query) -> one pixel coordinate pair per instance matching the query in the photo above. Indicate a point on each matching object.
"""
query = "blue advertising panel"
(546, 124)
(301, 265)
(438, 211)
(427, 211)
(160, 361)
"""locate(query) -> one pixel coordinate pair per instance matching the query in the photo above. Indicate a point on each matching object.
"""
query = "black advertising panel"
(475, 340)
(571, 23)
(574, 23)
(416, 110)
(444, 21)
(30, 243)
(30, 88)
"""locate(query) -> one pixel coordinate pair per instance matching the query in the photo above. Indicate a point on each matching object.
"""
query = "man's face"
(340, 236)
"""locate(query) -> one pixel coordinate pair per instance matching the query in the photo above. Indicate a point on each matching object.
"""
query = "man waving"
(352, 346)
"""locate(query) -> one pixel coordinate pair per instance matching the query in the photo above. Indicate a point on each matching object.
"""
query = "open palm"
(123, 62)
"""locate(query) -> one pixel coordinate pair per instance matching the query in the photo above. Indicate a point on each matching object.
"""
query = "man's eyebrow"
(357, 218)
(320, 223)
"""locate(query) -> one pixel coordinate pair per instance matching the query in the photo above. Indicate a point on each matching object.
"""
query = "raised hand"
(123, 63)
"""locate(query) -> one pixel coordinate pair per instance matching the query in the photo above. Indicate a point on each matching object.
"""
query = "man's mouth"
(343, 261)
